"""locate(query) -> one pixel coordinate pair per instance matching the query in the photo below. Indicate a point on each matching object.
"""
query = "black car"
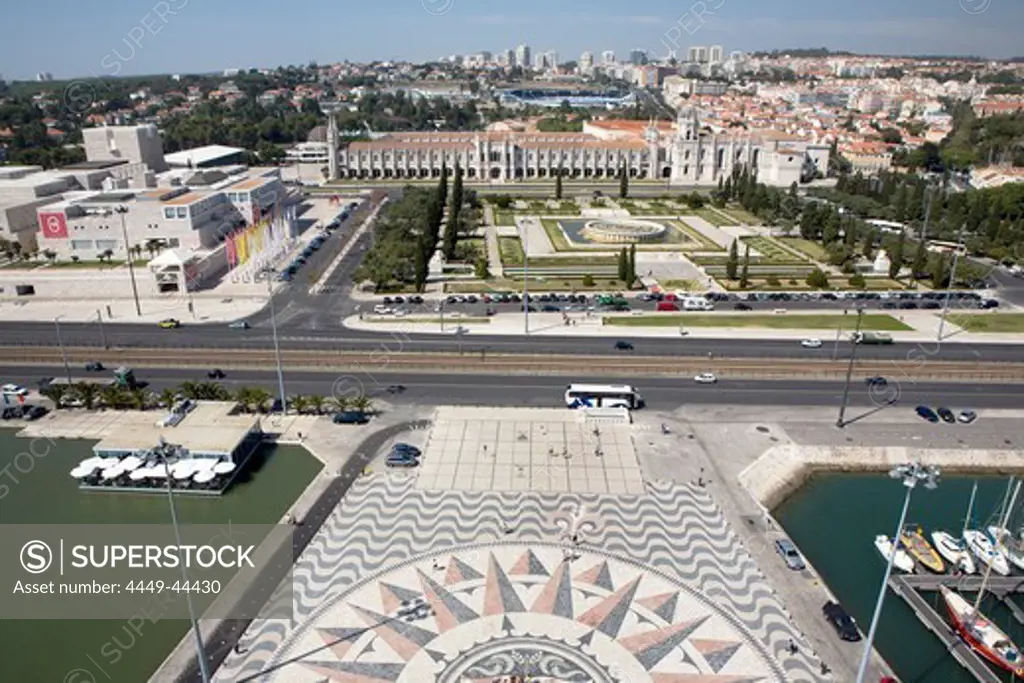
(396, 388)
(34, 413)
(926, 413)
(947, 415)
(550, 309)
(94, 366)
(623, 346)
(841, 621)
(990, 303)
(743, 307)
(350, 417)
(876, 381)
(216, 373)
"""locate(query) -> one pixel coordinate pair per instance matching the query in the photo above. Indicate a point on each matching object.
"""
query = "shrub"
(792, 281)
(772, 281)
(858, 281)
(502, 201)
(817, 279)
(588, 280)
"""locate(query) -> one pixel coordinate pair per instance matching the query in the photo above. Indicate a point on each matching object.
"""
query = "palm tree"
(244, 397)
(86, 393)
(56, 393)
(261, 397)
(364, 404)
(50, 255)
(167, 397)
(137, 399)
(190, 390)
(316, 403)
(212, 391)
(338, 404)
(299, 404)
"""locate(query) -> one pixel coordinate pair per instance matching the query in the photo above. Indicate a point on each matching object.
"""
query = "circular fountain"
(622, 231)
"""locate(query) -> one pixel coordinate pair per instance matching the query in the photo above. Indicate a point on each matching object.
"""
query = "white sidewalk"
(553, 325)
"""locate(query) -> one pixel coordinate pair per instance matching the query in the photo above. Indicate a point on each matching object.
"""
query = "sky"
(75, 39)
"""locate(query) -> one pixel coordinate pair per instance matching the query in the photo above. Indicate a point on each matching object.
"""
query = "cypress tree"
(623, 183)
(896, 257)
(744, 281)
(623, 266)
(632, 265)
(732, 265)
(558, 185)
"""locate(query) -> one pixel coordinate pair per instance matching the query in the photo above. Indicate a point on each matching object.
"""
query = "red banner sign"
(54, 225)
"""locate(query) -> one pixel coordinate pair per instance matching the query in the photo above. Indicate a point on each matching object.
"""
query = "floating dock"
(910, 588)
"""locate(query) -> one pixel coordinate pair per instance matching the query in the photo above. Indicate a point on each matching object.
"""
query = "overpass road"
(661, 393)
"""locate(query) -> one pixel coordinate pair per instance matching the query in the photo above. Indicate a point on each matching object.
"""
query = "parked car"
(705, 378)
(406, 448)
(841, 621)
(398, 460)
(790, 554)
(926, 413)
(967, 416)
(947, 415)
(34, 413)
(623, 346)
(350, 417)
(169, 324)
(743, 307)
(94, 366)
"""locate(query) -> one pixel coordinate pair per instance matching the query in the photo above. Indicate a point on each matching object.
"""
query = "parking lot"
(489, 304)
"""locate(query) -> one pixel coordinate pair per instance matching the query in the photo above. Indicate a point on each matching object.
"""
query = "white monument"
(882, 263)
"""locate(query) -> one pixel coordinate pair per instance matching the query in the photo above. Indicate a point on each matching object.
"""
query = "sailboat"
(921, 550)
(902, 561)
(984, 637)
(1008, 545)
(954, 551)
(983, 548)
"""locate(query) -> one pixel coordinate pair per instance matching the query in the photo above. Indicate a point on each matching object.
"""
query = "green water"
(48, 651)
(834, 520)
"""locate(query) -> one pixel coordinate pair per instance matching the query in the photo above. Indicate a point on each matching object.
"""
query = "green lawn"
(504, 217)
(989, 322)
(679, 285)
(741, 214)
(875, 322)
(552, 284)
(556, 235)
(812, 250)
(772, 250)
(710, 215)
(572, 261)
(705, 243)
(511, 251)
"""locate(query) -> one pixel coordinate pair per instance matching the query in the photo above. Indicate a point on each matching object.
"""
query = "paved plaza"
(530, 449)
(648, 586)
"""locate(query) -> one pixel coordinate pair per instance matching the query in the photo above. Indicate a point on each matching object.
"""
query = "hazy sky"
(70, 38)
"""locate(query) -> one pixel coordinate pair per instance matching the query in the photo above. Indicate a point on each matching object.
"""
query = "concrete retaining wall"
(782, 470)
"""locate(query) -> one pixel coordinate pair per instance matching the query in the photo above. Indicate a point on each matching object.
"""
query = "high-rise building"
(523, 56)
(717, 54)
(551, 59)
(637, 57)
(608, 57)
(486, 57)
(586, 61)
(510, 58)
(697, 54)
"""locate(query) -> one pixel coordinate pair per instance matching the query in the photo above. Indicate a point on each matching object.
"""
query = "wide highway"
(219, 336)
(661, 393)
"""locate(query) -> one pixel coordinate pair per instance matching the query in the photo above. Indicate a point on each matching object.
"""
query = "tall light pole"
(911, 475)
(162, 449)
(103, 335)
(268, 275)
(121, 210)
(949, 287)
(849, 369)
(63, 353)
(526, 277)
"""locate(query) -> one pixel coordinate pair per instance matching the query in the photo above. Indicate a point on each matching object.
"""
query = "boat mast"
(970, 507)
(1002, 523)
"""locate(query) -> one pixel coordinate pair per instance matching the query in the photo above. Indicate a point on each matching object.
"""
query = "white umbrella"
(139, 474)
(182, 475)
(131, 463)
(80, 472)
(112, 472)
(203, 476)
(158, 472)
(224, 468)
(201, 464)
(95, 462)
(184, 467)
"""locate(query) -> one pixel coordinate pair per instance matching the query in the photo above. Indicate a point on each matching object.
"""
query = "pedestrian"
(792, 647)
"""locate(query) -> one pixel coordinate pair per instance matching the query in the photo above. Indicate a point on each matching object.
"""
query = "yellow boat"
(914, 542)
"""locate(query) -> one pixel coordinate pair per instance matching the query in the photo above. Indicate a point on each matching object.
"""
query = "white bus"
(602, 396)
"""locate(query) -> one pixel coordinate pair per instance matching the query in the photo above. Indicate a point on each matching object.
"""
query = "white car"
(811, 343)
(705, 378)
(380, 309)
(13, 390)
(401, 312)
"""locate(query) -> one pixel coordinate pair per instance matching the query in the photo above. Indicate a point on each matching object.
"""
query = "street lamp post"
(526, 277)
(849, 369)
(268, 275)
(121, 210)
(103, 335)
(63, 353)
(911, 474)
(162, 450)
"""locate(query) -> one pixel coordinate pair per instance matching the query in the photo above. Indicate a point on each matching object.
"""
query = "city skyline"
(178, 36)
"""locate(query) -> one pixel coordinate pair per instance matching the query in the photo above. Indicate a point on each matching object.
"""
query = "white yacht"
(982, 547)
(954, 551)
(1008, 545)
(902, 561)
